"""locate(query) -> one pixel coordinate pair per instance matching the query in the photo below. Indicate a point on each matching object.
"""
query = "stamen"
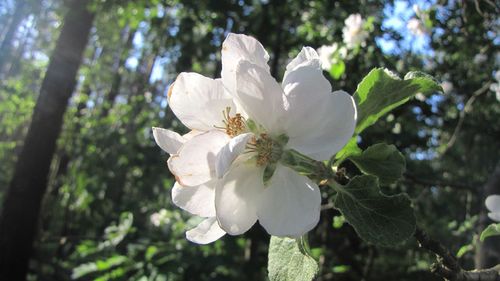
(267, 150)
(234, 125)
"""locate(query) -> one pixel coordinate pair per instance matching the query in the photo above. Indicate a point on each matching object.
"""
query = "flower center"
(268, 150)
(234, 125)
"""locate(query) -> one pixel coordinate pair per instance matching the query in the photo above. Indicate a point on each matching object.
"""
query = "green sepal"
(268, 172)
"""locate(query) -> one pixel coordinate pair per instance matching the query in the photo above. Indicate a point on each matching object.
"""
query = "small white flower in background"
(480, 58)
(353, 31)
(159, 218)
(492, 203)
(326, 55)
(242, 124)
(416, 27)
(440, 56)
(447, 87)
(420, 97)
(417, 10)
(155, 219)
(429, 64)
(148, 96)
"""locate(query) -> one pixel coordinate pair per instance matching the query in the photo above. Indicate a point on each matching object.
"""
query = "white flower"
(194, 199)
(416, 27)
(326, 55)
(417, 10)
(447, 87)
(155, 219)
(492, 203)
(420, 97)
(159, 218)
(480, 58)
(353, 32)
(249, 119)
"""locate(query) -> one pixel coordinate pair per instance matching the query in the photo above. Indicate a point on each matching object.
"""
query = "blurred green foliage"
(108, 176)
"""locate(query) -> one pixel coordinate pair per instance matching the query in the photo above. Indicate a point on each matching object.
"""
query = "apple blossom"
(353, 31)
(159, 218)
(327, 55)
(416, 27)
(194, 199)
(254, 184)
(480, 58)
(447, 87)
(492, 203)
(232, 169)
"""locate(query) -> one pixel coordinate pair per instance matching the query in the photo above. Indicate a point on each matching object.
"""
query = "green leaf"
(492, 230)
(341, 269)
(289, 260)
(381, 91)
(381, 160)
(99, 265)
(337, 70)
(464, 249)
(377, 218)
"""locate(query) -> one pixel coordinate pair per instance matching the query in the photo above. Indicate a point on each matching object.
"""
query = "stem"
(447, 265)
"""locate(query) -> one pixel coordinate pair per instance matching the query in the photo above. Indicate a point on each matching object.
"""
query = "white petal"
(199, 101)
(198, 200)
(238, 47)
(229, 152)
(195, 162)
(260, 96)
(167, 140)
(236, 197)
(318, 123)
(290, 204)
(492, 203)
(307, 56)
(192, 134)
(494, 216)
(206, 232)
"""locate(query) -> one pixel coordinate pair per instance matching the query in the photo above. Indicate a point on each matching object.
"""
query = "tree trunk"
(488, 252)
(20, 213)
(117, 76)
(6, 47)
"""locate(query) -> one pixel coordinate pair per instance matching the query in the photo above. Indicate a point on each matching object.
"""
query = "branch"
(437, 182)
(467, 108)
(447, 265)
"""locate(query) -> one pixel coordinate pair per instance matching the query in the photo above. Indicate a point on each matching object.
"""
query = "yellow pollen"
(264, 147)
(234, 125)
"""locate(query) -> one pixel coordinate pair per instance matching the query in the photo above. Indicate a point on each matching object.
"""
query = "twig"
(447, 265)
(467, 108)
(437, 182)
